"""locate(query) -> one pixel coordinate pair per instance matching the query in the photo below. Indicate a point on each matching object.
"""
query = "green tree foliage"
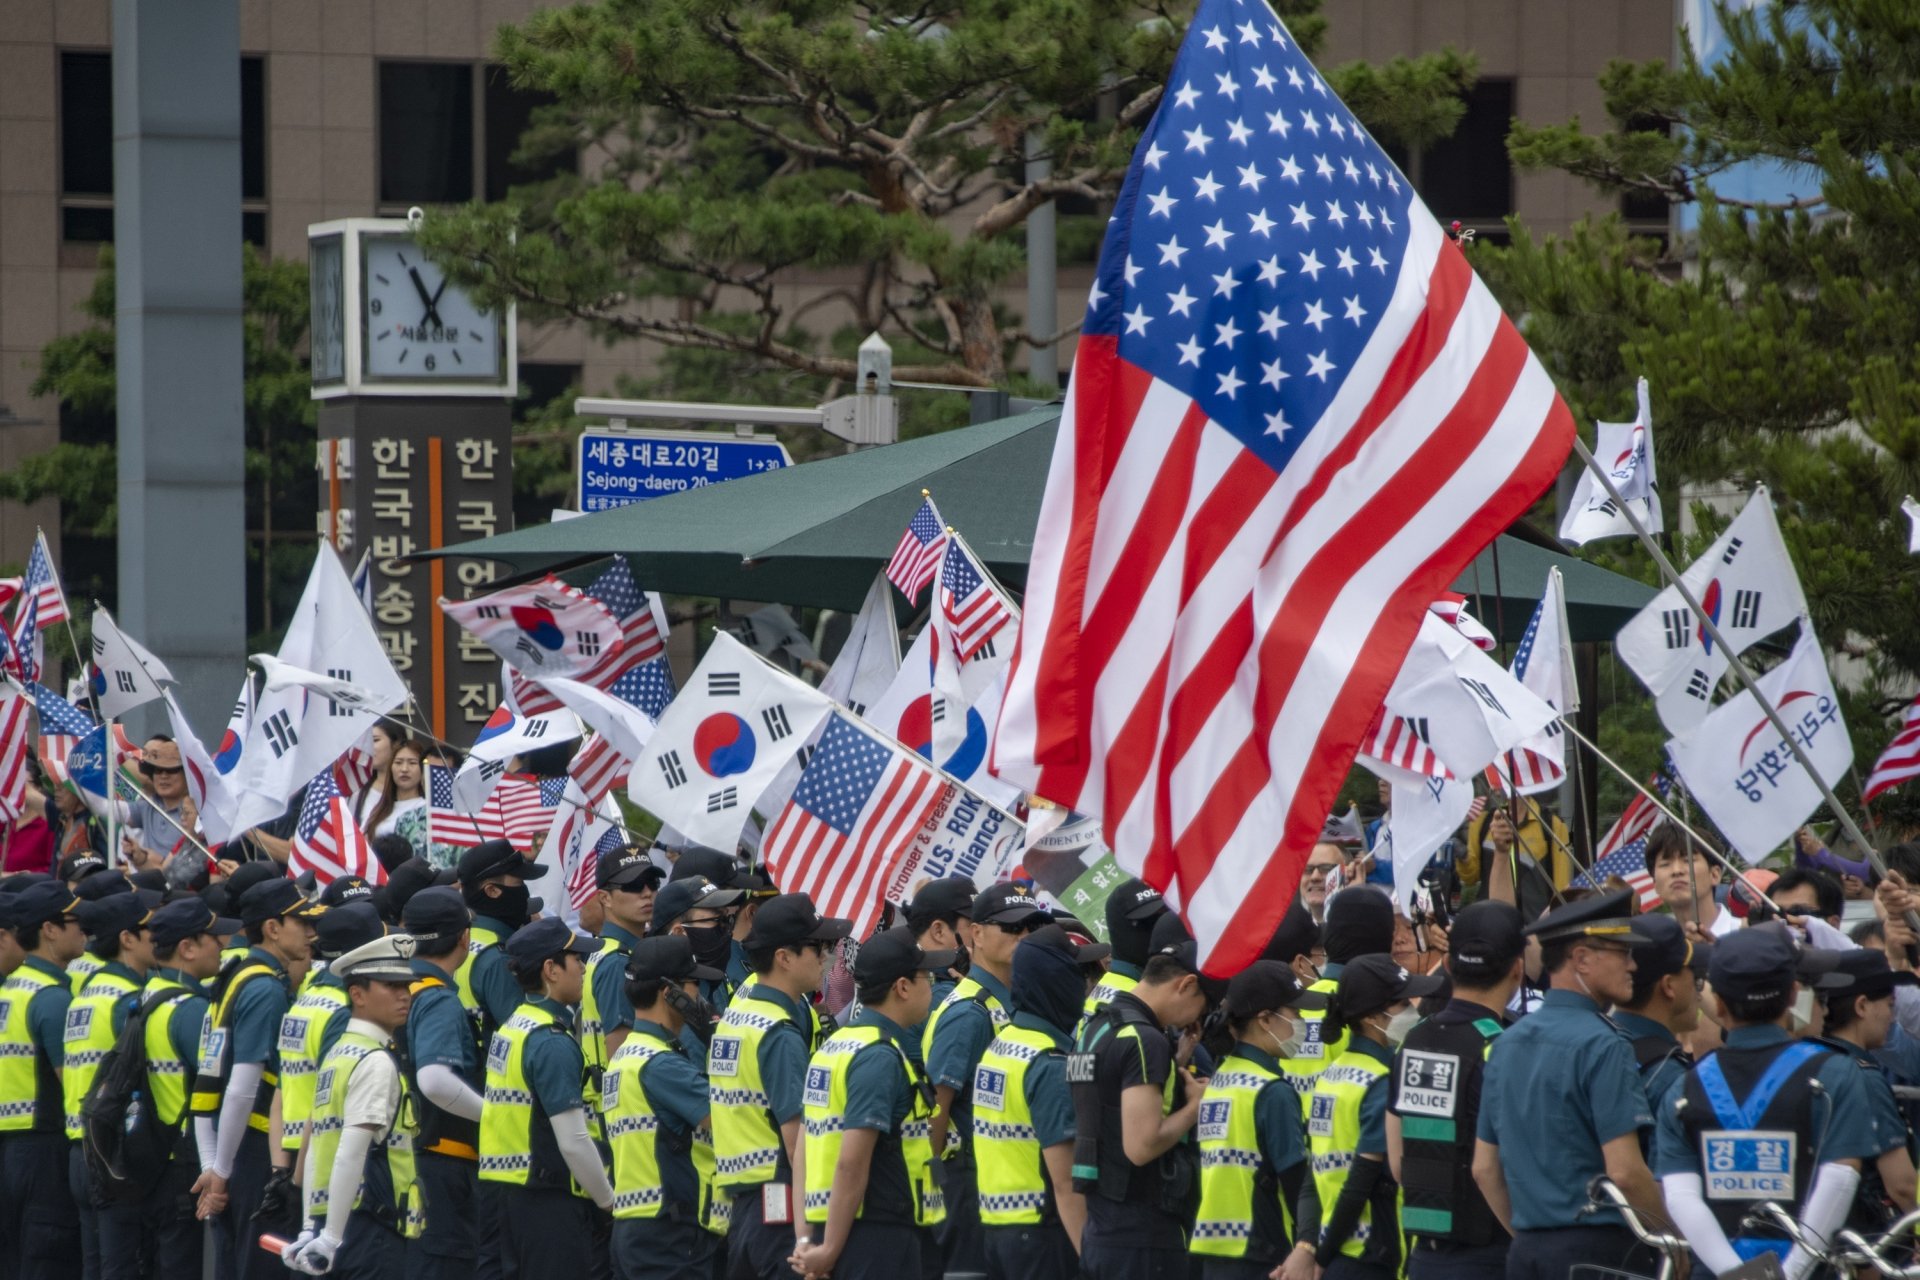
(736, 151)
(1779, 340)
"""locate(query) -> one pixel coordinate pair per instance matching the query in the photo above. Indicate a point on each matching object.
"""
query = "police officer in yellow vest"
(1359, 922)
(117, 935)
(626, 880)
(1348, 1222)
(39, 1225)
(1253, 1150)
(159, 1236)
(318, 1017)
(1023, 1115)
(655, 1099)
(239, 1070)
(541, 1174)
(1132, 909)
(756, 1067)
(695, 908)
(362, 1202)
(869, 1161)
(493, 881)
(87, 875)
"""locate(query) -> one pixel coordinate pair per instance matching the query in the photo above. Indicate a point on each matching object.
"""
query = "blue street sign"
(619, 467)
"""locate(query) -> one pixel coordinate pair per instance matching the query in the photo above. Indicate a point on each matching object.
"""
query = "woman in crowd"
(402, 807)
(385, 738)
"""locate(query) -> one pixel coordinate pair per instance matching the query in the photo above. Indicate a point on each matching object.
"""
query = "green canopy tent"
(816, 534)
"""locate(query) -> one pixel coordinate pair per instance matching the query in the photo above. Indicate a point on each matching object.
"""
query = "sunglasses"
(1023, 927)
(155, 770)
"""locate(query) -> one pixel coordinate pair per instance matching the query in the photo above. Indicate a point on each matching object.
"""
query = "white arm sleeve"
(582, 1157)
(1906, 1009)
(446, 1090)
(1687, 1206)
(204, 1140)
(1826, 1212)
(243, 1085)
(343, 1184)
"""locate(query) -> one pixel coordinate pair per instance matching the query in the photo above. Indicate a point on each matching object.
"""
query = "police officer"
(1359, 922)
(116, 929)
(92, 887)
(1131, 910)
(725, 871)
(1253, 1153)
(655, 1098)
(315, 1021)
(11, 953)
(755, 1069)
(627, 879)
(1774, 1117)
(493, 881)
(937, 915)
(548, 1180)
(1023, 1114)
(1435, 1102)
(1347, 1219)
(444, 1055)
(160, 1235)
(869, 1158)
(38, 1220)
(1561, 1102)
(1859, 1018)
(957, 1033)
(1134, 1103)
(1665, 1005)
(362, 1203)
(700, 911)
(239, 1070)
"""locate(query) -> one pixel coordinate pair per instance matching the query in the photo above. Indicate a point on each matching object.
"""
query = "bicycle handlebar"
(1603, 1194)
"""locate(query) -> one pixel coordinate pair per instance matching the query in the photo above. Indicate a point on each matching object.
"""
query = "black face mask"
(698, 1014)
(712, 944)
(512, 907)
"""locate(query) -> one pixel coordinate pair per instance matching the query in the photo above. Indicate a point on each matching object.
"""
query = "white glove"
(316, 1258)
(295, 1245)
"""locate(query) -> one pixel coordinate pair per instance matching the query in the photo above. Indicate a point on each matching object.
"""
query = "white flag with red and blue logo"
(1746, 583)
(1295, 416)
(543, 628)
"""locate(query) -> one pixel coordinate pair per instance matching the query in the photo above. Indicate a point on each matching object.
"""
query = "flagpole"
(112, 746)
(1746, 677)
(1706, 846)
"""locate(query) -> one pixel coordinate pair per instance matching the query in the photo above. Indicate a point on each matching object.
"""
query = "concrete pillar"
(176, 174)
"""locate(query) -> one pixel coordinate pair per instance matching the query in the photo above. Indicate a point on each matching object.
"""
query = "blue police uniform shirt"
(878, 1095)
(439, 1033)
(1560, 1084)
(553, 1064)
(1276, 1115)
(677, 1093)
(47, 1011)
(610, 981)
(783, 1056)
(1900, 1055)
(963, 1035)
(492, 982)
(1049, 1100)
(738, 970)
(1890, 1127)
(1663, 1077)
(257, 1011)
(1850, 1130)
(184, 1030)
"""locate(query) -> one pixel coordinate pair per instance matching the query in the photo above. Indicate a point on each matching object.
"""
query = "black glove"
(279, 1211)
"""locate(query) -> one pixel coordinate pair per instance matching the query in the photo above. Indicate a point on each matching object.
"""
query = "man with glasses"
(695, 908)
(1665, 1005)
(626, 880)
(1561, 1102)
(39, 1223)
(756, 1068)
(159, 823)
(1321, 863)
(958, 1033)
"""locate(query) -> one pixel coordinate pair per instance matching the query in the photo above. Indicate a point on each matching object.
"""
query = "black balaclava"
(1047, 982)
(1359, 923)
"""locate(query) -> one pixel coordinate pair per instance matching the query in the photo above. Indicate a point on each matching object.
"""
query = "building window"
(1469, 176)
(509, 113)
(86, 147)
(426, 132)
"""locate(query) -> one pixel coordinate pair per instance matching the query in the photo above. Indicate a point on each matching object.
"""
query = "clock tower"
(416, 383)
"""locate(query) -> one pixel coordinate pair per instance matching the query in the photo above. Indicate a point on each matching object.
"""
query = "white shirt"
(373, 1091)
(1724, 923)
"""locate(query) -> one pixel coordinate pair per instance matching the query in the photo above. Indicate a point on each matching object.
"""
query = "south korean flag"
(1746, 583)
(1625, 449)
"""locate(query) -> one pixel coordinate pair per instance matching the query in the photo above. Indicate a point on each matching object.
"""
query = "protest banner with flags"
(125, 675)
(1544, 665)
(859, 803)
(917, 559)
(1745, 776)
(1626, 449)
(1259, 483)
(1746, 583)
(722, 741)
(1901, 759)
(543, 628)
(328, 842)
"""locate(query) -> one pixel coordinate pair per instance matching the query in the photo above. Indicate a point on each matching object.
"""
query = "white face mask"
(1289, 1046)
(1400, 1024)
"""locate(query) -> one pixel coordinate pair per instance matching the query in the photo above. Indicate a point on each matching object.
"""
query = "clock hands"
(431, 302)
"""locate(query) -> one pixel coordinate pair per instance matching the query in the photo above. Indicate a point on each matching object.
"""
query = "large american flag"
(917, 558)
(970, 603)
(1295, 416)
(1629, 862)
(639, 633)
(858, 804)
(327, 841)
(1901, 759)
(1639, 817)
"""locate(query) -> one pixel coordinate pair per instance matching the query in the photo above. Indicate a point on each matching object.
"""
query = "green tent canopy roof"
(816, 534)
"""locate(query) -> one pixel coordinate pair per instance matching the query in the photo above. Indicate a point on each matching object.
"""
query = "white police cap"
(382, 960)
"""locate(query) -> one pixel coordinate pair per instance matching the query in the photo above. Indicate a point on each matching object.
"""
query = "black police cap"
(436, 913)
(668, 958)
(789, 919)
(893, 954)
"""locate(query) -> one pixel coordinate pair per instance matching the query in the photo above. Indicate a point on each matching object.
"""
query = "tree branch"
(1013, 210)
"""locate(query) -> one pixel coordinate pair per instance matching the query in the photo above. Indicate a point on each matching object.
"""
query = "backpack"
(125, 1144)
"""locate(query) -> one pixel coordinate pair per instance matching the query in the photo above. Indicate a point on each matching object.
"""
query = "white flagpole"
(1746, 677)
(112, 745)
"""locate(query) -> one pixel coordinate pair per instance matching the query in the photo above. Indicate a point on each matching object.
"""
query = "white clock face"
(419, 326)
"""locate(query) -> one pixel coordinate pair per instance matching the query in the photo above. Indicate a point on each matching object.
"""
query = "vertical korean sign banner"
(400, 477)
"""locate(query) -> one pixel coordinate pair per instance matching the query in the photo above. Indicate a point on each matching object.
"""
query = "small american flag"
(353, 770)
(43, 588)
(641, 643)
(648, 686)
(523, 809)
(1396, 741)
(328, 842)
(446, 824)
(1629, 862)
(917, 558)
(858, 804)
(969, 602)
(1901, 759)
(24, 658)
(62, 725)
(599, 768)
(1639, 817)
(582, 883)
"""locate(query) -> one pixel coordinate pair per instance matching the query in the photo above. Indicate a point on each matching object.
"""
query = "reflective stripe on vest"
(1014, 1185)
(28, 1083)
(826, 1109)
(166, 1070)
(89, 1035)
(633, 1133)
(81, 970)
(300, 1053)
(479, 937)
(1305, 1067)
(397, 1203)
(1333, 1133)
(1110, 985)
(1230, 1163)
(216, 1056)
(507, 1107)
(593, 1029)
(746, 1142)
(965, 991)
